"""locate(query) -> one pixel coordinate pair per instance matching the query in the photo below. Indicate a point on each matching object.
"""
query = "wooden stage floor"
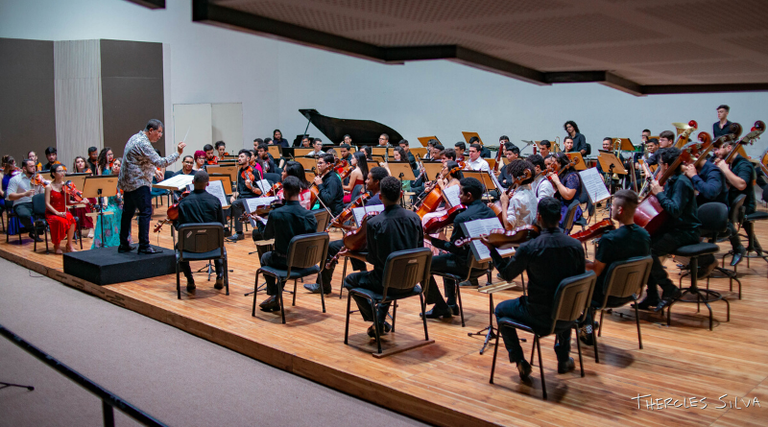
(446, 383)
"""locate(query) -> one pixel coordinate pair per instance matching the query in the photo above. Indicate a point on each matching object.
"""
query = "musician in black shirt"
(329, 184)
(245, 190)
(677, 198)
(283, 224)
(394, 229)
(722, 126)
(200, 207)
(547, 260)
(372, 186)
(457, 261)
(740, 176)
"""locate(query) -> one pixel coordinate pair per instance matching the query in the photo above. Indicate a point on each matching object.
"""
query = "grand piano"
(363, 132)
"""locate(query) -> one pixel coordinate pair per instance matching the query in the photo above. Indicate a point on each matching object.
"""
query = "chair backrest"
(568, 223)
(323, 218)
(714, 218)
(202, 237)
(572, 297)
(625, 278)
(407, 268)
(736, 213)
(38, 205)
(307, 250)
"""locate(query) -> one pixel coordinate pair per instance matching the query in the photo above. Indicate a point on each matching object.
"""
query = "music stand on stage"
(577, 159)
(300, 152)
(220, 169)
(225, 179)
(274, 150)
(403, 172)
(98, 187)
(424, 140)
(432, 170)
(610, 164)
(418, 152)
(307, 162)
(469, 135)
(485, 178)
(624, 144)
(373, 164)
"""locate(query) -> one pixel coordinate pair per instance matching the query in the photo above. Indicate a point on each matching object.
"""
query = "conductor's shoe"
(270, 304)
(123, 249)
(566, 366)
(524, 369)
(219, 283)
(315, 288)
(150, 250)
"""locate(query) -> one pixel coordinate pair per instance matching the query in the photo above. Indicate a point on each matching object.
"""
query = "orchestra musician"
(51, 153)
(460, 148)
(406, 147)
(201, 207)
(200, 159)
(708, 181)
(568, 144)
(537, 257)
(722, 125)
(60, 221)
(383, 140)
(187, 168)
(740, 176)
(567, 184)
(579, 140)
(478, 163)
(511, 153)
(457, 260)
(678, 200)
(105, 160)
(271, 173)
(277, 139)
(541, 186)
(32, 156)
(210, 155)
(628, 241)
(344, 153)
(246, 174)
(372, 185)
(357, 177)
(20, 190)
(93, 160)
(328, 182)
(394, 229)
(520, 208)
(140, 162)
(317, 146)
(221, 149)
(645, 135)
(484, 151)
(283, 224)
(545, 148)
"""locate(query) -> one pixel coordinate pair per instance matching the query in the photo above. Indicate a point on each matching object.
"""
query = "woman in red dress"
(60, 221)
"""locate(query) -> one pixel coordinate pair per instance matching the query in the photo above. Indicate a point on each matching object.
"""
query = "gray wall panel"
(27, 112)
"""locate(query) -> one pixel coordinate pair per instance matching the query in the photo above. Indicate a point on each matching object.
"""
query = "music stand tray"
(432, 170)
(424, 140)
(577, 159)
(100, 186)
(606, 159)
(401, 171)
(484, 177)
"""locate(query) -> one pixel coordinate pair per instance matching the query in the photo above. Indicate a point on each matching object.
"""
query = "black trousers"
(238, 208)
(663, 244)
(218, 263)
(445, 263)
(273, 259)
(333, 248)
(141, 199)
(366, 281)
(519, 311)
(25, 212)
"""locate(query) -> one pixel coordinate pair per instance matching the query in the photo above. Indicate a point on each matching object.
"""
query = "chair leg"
(280, 286)
(461, 306)
(541, 367)
(594, 337)
(343, 276)
(178, 282)
(581, 362)
(226, 274)
(394, 314)
(495, 352)
(423, 316)
(346, 327)
(374, 308)
(322, 295)
(255, 288)
(637, 320)
(293, 303)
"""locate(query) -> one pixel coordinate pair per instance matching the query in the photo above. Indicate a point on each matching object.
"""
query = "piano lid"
(363, 132)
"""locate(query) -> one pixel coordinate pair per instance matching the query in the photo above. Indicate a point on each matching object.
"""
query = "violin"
(172, 213)
(594, 231)
(314, 191)
(38, 180)
(76, 195)
(274, 190)
(345, 215)
(433, 225)
(213, 161)
(247, 175)
(262, 210)
(354, 241)
(500, 238)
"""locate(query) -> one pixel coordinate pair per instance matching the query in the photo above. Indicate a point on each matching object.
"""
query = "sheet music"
(359, 213)
(594, 185)
(176, 182)
(256, 202)
(479, 227)
(216, 188)
(263, 185)
(452, 195)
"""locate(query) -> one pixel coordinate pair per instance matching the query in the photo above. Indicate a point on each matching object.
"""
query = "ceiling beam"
(704, 88)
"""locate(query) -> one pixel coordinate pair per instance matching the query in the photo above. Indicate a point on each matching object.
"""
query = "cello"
(354, 241)
(434, 195)
(754, 134)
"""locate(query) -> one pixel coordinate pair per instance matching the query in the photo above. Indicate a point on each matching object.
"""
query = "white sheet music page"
(256, 202)
(479, 227)
(359, 213)
(177, 182)
(594, 185)
(263, 185)
(216, 188)
(452, 195)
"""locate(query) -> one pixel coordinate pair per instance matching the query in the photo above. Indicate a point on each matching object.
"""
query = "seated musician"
(740, 176)
(537, 258)
(372, 185)
(52, 154)
(196, 208)
(383, 140)
(460, 149)
(568, 144)
(450, 176)
(344, 153)
(200, 160)
(93, 160)
(394, 229)
(20, 190)
(187, 168)
(567, 184)
(317, 148)
(221, 149)
(677, 198)
(411, 159)
(456, 261)
(448, 155)
(628, 241)
(545, 148)
(357, 177)
(283, 224)
(210, 155)
(484, 151)
(246, 174)
(328, 182)
(541, 186)
(609, 181)
(271, 173)
(511, 153)
(520, 209)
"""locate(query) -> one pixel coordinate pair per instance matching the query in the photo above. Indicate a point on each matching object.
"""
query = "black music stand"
(98, 187)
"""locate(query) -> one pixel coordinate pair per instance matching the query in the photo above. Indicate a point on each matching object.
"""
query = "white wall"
(274, 79)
